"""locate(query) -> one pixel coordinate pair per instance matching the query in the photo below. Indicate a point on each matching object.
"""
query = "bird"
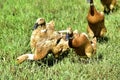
(81, 44)
(96, 22)
(41, 50)
(44, 47)
(108, 5)
(41, 30)
(45, 39)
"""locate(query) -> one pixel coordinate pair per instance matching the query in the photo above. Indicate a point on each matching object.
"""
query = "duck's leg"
(103, 31)
(94, 44)
(90, 32)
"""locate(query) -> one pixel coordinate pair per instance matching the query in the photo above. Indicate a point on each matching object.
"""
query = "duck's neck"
(92, 8)
(70, 43)
(70, 39)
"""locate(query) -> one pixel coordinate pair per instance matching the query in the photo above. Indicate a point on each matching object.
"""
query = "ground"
(17, 18)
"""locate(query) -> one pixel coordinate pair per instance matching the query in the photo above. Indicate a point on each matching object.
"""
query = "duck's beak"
(35, 26)
(67, 36)
(22, 58)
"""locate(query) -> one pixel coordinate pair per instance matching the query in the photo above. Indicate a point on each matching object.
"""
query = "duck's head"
(39, 22)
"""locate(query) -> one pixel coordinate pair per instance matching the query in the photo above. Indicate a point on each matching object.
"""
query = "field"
(17, 18)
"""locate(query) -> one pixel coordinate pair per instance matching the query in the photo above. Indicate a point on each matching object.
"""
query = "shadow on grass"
(92, 60)
(115, 9)
(50, 60)
(80, 60)
(103, 40)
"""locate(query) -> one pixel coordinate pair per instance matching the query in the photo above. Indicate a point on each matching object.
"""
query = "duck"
(40, 31)
(96, 22)
(44, 40)
(108, 5)
(44, 47)
(80, 43)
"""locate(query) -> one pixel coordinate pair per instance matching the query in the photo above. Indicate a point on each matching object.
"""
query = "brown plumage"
(45, 39)
(42, 30)
(81, 44)
(108, 5)
(38, 33)
(96, 27)
(43, 47)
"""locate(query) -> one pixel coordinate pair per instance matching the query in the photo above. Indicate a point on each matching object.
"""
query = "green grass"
(17, 18)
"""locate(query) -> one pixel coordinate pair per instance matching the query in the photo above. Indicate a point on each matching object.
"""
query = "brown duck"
(96, 27)
(108, 5)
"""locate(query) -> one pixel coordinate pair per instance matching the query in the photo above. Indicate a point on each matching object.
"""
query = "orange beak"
(22, 58)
